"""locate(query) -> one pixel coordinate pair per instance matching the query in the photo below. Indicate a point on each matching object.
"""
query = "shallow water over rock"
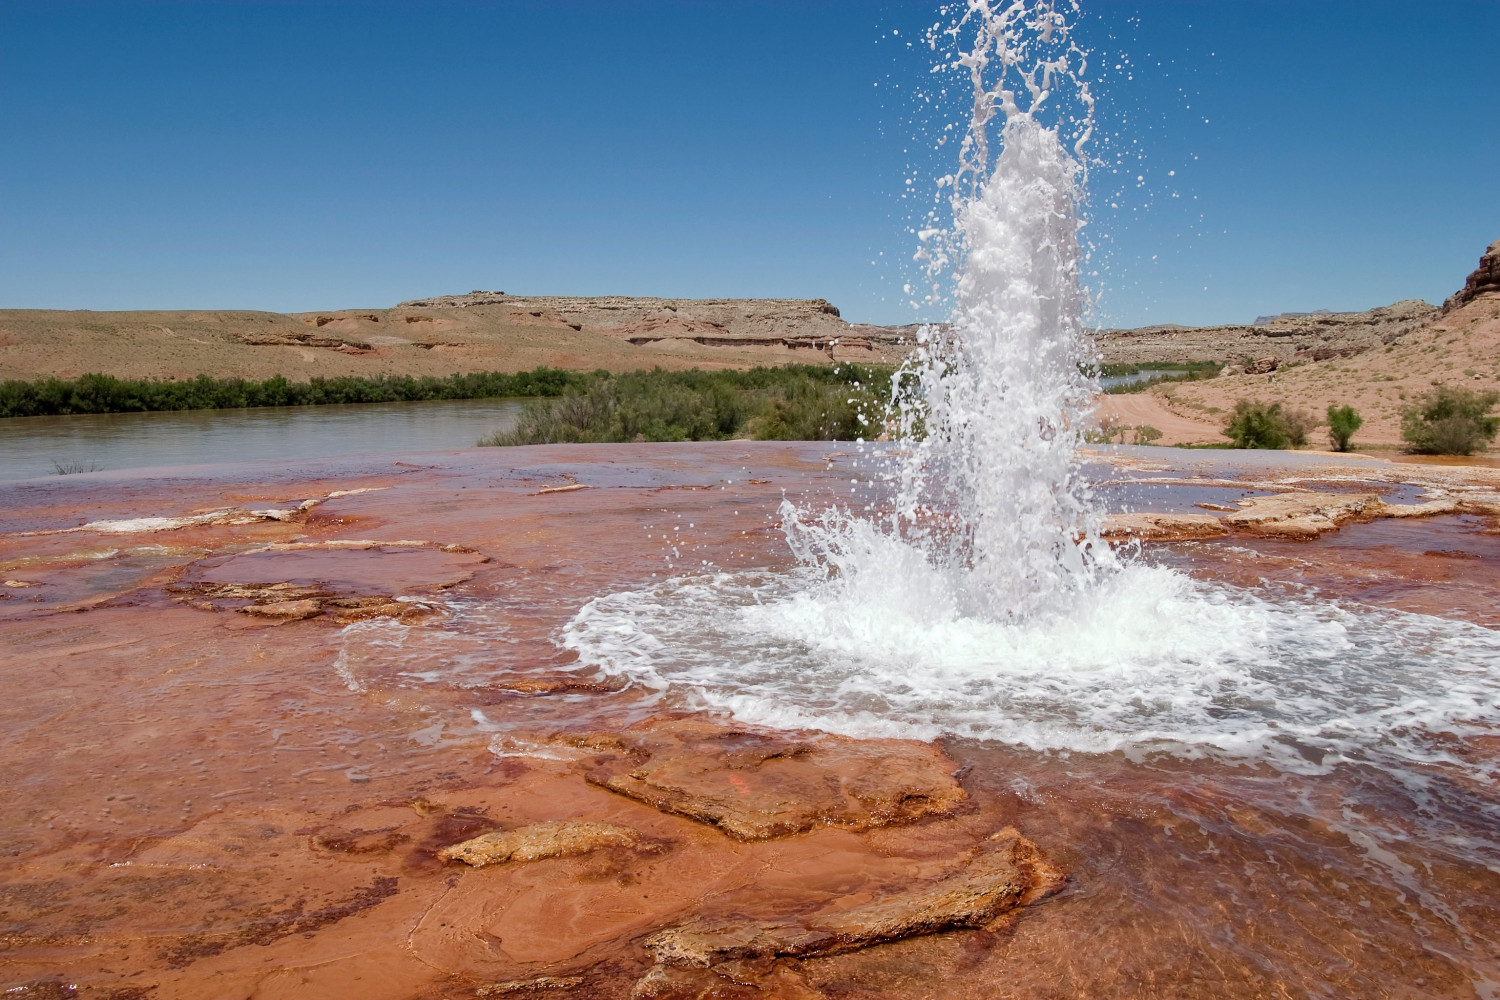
(206, 803)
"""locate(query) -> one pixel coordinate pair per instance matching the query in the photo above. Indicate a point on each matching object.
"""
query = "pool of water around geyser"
(1152, 662)
(1257, 737)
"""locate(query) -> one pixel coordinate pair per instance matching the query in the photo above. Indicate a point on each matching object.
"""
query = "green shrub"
(1343, 421)
(1145, 434)
(798, 402)
(1450, 421)
(1254, 424)
(107, 394)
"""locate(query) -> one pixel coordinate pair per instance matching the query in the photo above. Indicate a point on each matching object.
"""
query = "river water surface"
(38, 446)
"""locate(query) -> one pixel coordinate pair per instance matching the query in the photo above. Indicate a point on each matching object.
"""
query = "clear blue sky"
(292, 156)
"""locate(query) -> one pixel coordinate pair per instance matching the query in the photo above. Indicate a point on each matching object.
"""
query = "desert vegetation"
(1450, 421)
(800, 402)
(73, 468)
(1343, 422)
(107, 394)
(1255, 424)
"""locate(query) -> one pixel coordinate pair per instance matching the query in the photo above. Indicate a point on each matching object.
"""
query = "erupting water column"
(989, 490)
(969, 595)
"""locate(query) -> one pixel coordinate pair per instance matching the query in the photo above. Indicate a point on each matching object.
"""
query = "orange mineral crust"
(310, 731)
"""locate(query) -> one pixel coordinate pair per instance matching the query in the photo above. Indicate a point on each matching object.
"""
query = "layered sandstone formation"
(1376, 360)
(1484, 281)
(1269, 343)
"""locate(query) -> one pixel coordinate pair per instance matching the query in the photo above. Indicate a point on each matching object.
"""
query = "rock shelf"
(754, 785)
(1006, 872)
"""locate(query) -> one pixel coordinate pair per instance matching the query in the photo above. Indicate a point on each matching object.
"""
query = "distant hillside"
(1270, 341)
(1377, 362)
(493, 331)
(481, 331)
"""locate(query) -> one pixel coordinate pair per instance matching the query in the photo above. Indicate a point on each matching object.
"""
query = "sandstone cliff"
(1485, 280)
(493, 331)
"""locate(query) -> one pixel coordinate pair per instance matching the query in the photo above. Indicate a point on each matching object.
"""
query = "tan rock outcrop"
(1485, 280)
(1429, 508)
(1004, 873)
(1301, 515)
(294, 602)
(755, 785)
(1162, 527)
(294, 339)
(636, 316)
(560, 839)
(285, 610)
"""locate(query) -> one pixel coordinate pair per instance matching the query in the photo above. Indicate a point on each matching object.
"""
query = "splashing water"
(989, 490)
(977, 600)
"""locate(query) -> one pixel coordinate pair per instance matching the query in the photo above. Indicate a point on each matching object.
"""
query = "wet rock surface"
(1006, 872)
(754, 785)
(346, 581)
(1298, 508)
(1301, 515)
(728, 981)
(202, 806)
(530, 987)
(1162, 527)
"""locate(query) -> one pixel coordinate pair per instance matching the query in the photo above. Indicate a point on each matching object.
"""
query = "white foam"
(1148, 660)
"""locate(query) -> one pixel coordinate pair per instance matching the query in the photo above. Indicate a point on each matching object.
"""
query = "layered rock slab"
(1301, 515)
(1162, 527)
(755, 785)
(346, 581)
(1004, 873)
(540, 840)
